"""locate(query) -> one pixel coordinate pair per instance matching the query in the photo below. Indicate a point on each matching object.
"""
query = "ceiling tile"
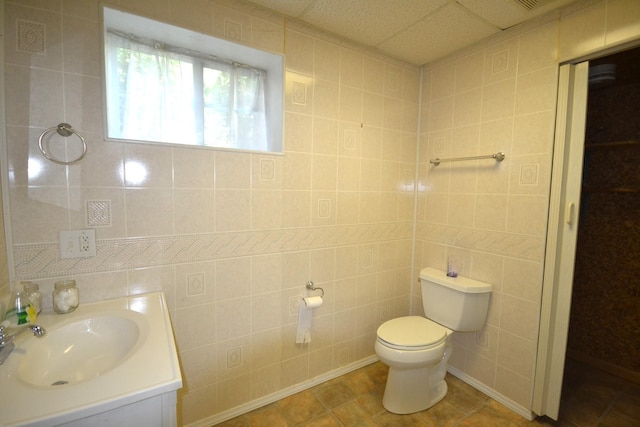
(507, 13)
(287, 7)
(501, 13)
(366, 21)
(448, 30)
(414, 31)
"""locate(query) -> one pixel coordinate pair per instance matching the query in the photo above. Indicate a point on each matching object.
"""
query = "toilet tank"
(459, 303)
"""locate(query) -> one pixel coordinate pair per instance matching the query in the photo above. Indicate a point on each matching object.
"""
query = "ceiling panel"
(293, 8)
(414, 31)
(448, 30)
(366, 21)
(502, 13)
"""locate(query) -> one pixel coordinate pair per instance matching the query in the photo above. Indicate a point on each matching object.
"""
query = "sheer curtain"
(164, 94)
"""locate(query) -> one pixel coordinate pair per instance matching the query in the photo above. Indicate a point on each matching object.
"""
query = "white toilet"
(417, 349)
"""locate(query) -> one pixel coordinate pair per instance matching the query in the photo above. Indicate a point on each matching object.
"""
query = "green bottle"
(21, 311)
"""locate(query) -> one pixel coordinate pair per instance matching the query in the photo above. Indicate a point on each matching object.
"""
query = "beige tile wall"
(501, 96)
(231, 238)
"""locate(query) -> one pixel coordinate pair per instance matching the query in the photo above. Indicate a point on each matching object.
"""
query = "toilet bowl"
(417, 349)
(413, 347)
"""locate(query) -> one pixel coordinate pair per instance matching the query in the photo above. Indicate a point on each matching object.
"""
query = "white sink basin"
(79, 351)
(101, 357)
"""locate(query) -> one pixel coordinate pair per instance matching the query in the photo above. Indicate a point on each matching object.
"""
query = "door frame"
(556, 286)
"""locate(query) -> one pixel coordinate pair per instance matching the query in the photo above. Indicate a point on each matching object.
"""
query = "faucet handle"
(4, 336)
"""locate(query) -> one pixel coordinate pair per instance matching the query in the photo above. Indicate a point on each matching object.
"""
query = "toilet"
(417, 348)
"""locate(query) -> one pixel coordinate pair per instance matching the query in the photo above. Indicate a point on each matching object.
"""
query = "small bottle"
(21, 312)
(65, 296)
(452, 266)
(32, 292)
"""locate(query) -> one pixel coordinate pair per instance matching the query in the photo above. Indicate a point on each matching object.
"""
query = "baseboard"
(515, 407)
(610, 368)
(274, 397)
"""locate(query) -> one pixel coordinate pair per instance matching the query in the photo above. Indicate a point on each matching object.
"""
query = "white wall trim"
(515, 407)
(274, 397)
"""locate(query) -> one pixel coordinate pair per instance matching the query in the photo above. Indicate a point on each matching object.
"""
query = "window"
(160, 89)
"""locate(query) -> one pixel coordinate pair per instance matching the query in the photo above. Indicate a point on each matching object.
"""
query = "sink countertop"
(151, 369)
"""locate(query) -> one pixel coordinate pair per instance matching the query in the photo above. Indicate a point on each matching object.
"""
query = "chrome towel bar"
(497, 156)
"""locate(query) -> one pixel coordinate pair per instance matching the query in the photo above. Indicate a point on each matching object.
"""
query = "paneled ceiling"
(414, 31)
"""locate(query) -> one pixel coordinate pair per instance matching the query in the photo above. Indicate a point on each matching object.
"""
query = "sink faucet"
(6, 340)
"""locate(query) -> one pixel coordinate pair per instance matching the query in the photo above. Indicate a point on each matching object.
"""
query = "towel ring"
(63, 129)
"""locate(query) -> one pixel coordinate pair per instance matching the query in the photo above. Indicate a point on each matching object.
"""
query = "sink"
(79, 351)
(111, 362)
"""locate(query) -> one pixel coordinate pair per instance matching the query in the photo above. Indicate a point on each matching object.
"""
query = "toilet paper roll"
(312, 302)
(305, 314)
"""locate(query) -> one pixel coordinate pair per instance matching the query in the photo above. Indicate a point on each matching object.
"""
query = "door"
(562, 237)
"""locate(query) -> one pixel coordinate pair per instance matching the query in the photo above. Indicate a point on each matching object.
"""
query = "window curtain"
(158, 93)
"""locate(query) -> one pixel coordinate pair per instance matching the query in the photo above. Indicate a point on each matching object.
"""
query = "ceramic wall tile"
(498, 100)
(536, 91)
(300, 53)
(148, 166)
(296, 208)
(149, 212)
(469, 72)
(100, 208)
(30, 204)
(373, 75)
(538, 49)
(582, 31)
(191, 171)
(102, 166)
(27, 164)
(198, 16)
(326, 99)
(34, 35)
(622, 21)
(82, 52)
(443, 81)
(267, 34)
(351, 104)
(351, 68)
(45, 98)
(501, 61)
(266, 209)
(233, 170)
(325, 136)
(326, 64)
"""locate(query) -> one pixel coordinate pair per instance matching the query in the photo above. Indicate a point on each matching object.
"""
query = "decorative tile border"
(496, 242)
(37, 261)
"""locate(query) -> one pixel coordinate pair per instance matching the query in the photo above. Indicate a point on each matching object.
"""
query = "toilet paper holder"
(313, 287)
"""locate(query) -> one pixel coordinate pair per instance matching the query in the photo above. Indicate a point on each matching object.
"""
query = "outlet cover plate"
(77, 243)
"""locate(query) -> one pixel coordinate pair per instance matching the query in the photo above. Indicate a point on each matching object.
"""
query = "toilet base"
(412, 390)
(414, 387)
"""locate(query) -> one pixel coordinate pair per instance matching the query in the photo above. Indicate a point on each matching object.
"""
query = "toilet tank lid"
(460, 283)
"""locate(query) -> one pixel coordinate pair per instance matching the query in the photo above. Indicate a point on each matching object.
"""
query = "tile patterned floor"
(355, 399)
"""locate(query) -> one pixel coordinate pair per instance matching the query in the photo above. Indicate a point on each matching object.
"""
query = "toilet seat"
(411, 333)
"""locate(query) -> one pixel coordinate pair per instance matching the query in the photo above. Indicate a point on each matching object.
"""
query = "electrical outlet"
(77, 243)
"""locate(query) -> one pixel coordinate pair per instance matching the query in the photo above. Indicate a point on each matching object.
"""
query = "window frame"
(226, 50)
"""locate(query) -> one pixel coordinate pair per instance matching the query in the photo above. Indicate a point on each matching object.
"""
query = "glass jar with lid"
(34, 297)
(66, 297)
